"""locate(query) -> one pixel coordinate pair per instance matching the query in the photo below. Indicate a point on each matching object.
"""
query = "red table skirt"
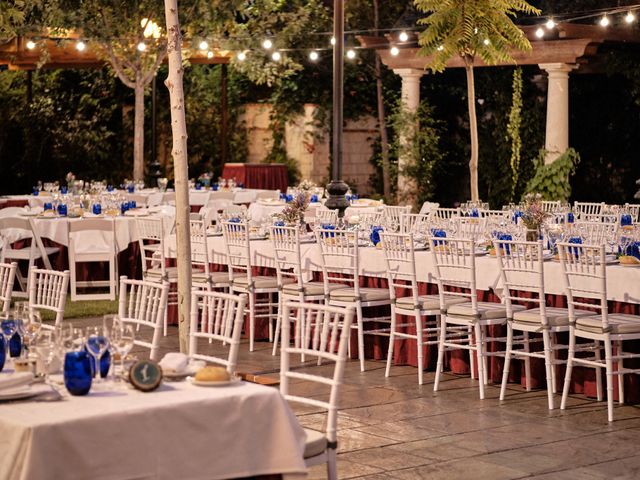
(14, 203)
(267, 176)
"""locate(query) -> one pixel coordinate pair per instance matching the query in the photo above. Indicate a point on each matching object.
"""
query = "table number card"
(145, 375)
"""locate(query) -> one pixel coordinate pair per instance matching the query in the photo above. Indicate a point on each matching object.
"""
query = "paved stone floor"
(391, 428)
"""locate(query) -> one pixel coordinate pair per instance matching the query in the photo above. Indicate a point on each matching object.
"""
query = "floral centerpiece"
(306, 186)
(533, 215)
(293, 213)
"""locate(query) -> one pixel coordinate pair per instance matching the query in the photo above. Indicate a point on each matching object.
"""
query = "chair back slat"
(400, 260)
(340, 256)
(7, 277)
(238, 248)
(48, 291)
(286, 246)
(454, 262)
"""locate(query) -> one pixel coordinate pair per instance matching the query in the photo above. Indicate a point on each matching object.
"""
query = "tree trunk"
(473, 127)
(138, 131)
(382, 123)
(180, 168)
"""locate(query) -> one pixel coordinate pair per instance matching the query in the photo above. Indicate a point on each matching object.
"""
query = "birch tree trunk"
(180, 168)
(138, 131)
(473, 127)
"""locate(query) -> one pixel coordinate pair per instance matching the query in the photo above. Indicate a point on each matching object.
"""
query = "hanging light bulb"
(80, 46)
(314, 56)
(550, 24)
(486, 41)
(539, 32)
(241, 56)
(394, 51)
(403, 37)
(142, 47)
(267, 44)
(333, 40)
(440, 48)
(209, 54)
(604, 21)
(31, 45)
(630, 17)
(351, 54)
(203, 45)
(275, 56)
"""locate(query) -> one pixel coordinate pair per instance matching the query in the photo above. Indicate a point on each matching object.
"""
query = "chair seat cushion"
(366, 294)
(217, 278)
(156, 273)
(556, 317)
(315, 444)
(486, 310)
(618, 323)
(310, 288)
(260, 281)
(428, 302)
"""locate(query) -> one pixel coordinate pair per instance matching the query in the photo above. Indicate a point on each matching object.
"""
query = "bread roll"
(629, 260)
(212, 374)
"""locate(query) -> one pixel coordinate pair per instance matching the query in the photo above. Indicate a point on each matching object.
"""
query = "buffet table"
(178, 431)
(269, 176)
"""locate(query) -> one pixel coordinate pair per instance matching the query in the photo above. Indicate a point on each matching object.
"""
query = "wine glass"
(96, 343)
(122, 339)
(31, 326)
(46, 348)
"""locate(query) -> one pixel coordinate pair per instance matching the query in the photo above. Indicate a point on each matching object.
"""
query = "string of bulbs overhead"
(399, 37)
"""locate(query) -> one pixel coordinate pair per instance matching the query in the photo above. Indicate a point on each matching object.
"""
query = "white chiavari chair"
(394, 212)
(442, 213)
(320, 447)
(325, 215)
(634, 211)
(93, 240)
(585, 277)
(401, 274)
(596, 233)
(142, 304)
(201, 275)
(48, 291)
(550, 206)
(268, 195)
(7, 277)
(455, 271)
(217, 316)
(260, 289)
(469, 227)
(233, 210)
(583, 209)
(415, 223)
(341, 264)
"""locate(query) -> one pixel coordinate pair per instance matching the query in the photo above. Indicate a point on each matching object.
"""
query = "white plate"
(18, 393)
(179, 376)
(273, 203)
(200, 383)
(29, 214)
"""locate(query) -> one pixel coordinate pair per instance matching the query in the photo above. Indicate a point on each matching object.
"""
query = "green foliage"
(513, 128)
(12, 14)
(552, 180)
(470, 28)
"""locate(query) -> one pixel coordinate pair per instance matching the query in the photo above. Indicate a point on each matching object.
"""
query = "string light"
(241, 56)
(80, 46)
(203, 45)
(142, 47)
(314, 56)
(550, 24)
(403, 37)
(487, 41)
(333, 41)
(267, 44)
(440, 48)
(351, 54)
(630, 17)
(275, 56)
(539, 32)
(209, 54)
(604, 21)
(31, 45)
(394, 51)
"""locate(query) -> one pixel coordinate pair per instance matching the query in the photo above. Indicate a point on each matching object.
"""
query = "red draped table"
(267, 176)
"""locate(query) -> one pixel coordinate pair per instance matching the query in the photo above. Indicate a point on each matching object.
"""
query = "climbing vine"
(552, 180)
(513, 128)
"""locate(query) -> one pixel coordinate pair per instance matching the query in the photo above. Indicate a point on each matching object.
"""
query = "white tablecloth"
(258, 212)
(177, 432)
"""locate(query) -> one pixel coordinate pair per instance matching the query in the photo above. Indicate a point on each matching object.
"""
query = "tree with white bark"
(471, 29)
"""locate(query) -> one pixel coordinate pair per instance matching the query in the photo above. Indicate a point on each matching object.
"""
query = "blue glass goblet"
(77, 372)
(3, 353)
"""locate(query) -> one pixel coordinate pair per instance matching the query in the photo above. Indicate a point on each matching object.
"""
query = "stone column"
(411, 101)
(557, 135)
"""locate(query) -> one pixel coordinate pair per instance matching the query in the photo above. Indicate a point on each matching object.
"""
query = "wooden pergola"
(564, 49)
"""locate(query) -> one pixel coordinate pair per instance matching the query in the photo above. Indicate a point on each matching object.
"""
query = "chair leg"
(360, 336)
(472, 358)
(252, 319)
(270, 316)
(480, 353)
(608, 354)
(278, 325)
(485, 359)
(420, 347)
(527, 362)
(598, 355)
(552, 358)
(332, 467)
(567, 375)
(443, 332)
(548, 364)
(392, 331)
(507, 361)
(620, 375)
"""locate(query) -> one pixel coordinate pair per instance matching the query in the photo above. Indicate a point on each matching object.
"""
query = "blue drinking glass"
(36, 191)
(64, 190)
(109, 188)
(474, 212)
(289, 198)
(198, 186)
(575, 250)
(77, 372)
(570, 217)
(234, 220)
(504, 236)
(62, 210)
(124, 207)
(625, 219)
(438, 233)
(3, 352)
(354, 197)
(241, 185)
(131, 188)
(375, 234)
(214, 187)
(15, 345)
(279, 223)
(97, 209)
(283, 196)
(47, 206)
(10, 327)
(314, 198)
(516, 215)
(132, 204)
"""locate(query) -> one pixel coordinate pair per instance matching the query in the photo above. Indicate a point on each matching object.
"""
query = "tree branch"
(118, 68)
(162, 54)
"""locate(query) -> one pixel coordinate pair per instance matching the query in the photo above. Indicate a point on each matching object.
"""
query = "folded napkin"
(174, 362)
(15, 380)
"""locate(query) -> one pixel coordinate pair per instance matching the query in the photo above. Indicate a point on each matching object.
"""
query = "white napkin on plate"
(15, 380)
(174, 362)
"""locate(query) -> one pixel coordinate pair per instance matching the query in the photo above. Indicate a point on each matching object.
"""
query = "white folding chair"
(428, 207)
(217, 316)
(401, 274)
(455, 271)
(14, 229)
(260, 289)
(585, 276)
(93, 240)
(142, 304)
(7, 277)
(341, 264)
(320, 447)
(48, 291)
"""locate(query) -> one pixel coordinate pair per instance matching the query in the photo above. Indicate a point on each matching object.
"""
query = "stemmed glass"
(9, 328)
(31, 326)
(97, 342)
(46, 347)
(122, 340)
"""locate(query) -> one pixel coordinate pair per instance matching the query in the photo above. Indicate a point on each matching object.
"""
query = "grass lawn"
(82, 309)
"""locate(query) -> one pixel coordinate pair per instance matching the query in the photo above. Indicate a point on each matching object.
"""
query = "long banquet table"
(178, 431)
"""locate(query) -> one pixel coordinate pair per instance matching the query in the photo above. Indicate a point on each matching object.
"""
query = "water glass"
(77, 372)
(97, 209)
(97, 344)
(47, 206)
(62, 209)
